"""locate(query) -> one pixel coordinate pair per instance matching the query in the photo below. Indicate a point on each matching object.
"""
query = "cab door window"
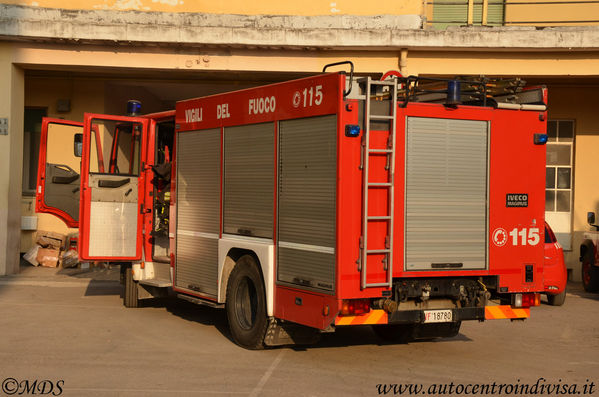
(120, 143)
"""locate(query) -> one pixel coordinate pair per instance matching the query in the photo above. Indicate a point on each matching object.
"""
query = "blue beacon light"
(352, 130)
(133, 107)
(540, 139)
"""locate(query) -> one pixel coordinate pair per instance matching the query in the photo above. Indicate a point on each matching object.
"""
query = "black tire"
(557, 299)
(130, 298)
(396, 333)
(246, 304)
(590, 273)
(122, 274)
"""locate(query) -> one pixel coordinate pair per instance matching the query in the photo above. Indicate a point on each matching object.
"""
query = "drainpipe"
(403, 62)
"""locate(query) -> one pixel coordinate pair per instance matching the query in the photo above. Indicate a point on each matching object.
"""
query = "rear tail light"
(352, 307)
(526, 300)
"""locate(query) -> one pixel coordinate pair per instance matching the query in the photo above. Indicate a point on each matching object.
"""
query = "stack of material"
(70, 257)
(48, 249)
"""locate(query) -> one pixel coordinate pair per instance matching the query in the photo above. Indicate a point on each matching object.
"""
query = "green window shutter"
(445, 15)
(496, 14)
(450, 13)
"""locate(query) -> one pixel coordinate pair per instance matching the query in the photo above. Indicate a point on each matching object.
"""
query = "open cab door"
(111, 211)
(58, 172)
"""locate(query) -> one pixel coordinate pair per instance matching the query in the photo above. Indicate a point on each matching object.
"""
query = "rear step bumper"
(417, 316)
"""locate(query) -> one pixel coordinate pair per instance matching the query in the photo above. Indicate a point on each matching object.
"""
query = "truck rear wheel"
(130, 298)
(590, 273)
(246, 304)
(557, 299)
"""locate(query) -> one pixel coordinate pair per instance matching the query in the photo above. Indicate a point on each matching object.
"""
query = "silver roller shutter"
(198, 204)
(446, 194)
(249, 180)
(307, 202)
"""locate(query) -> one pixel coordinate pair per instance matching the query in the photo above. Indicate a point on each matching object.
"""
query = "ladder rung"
(382, 82)
(380, 117)
(377, 285)
(378, 218)
(380, 150)
(380, 184)
(383, 251)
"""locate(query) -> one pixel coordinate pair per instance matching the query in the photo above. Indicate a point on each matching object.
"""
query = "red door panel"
(58, 175)
(111, 211)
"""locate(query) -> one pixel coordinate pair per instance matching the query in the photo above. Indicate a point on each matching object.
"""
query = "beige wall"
(117, 96)
(85, 95)
(435, 62)
(504, 63)
(244, 7)
(178, 61)
(11, 159)
(580, 102)
(564, 13)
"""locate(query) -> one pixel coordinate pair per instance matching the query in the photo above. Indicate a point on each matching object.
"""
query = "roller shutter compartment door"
(198, 210)
(446, 194)
(307, 200)
(249, 180)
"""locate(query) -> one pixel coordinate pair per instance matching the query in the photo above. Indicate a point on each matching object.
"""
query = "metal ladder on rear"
(368, 186)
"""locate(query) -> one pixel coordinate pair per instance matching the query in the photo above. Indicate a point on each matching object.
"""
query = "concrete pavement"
(73, 327)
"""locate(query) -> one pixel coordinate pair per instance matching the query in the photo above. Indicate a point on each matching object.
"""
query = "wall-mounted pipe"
(403, 62)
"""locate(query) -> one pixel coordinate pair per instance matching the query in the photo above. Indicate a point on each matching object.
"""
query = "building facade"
(64, 58)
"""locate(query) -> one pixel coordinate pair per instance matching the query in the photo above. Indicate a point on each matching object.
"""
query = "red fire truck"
(407, 204)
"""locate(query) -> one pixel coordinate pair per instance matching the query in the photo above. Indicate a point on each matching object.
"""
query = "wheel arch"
(229, 264)
(229, 252)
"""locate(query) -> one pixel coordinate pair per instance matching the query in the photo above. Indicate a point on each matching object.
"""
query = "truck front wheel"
(130, 299)
(557, 299)
(590, 275)
(246, 304)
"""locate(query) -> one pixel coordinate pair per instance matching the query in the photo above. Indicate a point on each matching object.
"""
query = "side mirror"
(78, 145)
(591, 218)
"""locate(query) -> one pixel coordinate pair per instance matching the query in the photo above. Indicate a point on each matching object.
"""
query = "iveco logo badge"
(516, 200)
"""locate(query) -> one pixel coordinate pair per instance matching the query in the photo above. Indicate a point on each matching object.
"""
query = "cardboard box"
(48, 257)
(31, 255)
(51, 239)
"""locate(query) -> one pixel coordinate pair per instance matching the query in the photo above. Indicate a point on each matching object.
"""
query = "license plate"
(438, 316)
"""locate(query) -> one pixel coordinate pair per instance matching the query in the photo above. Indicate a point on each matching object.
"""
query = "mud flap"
(285, 333)
(149, 292)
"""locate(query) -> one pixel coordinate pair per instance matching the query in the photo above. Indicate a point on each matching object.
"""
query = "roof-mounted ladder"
(370, 88)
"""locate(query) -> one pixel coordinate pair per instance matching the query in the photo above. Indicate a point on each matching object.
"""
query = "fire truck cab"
(408, 204)
(119, 171)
